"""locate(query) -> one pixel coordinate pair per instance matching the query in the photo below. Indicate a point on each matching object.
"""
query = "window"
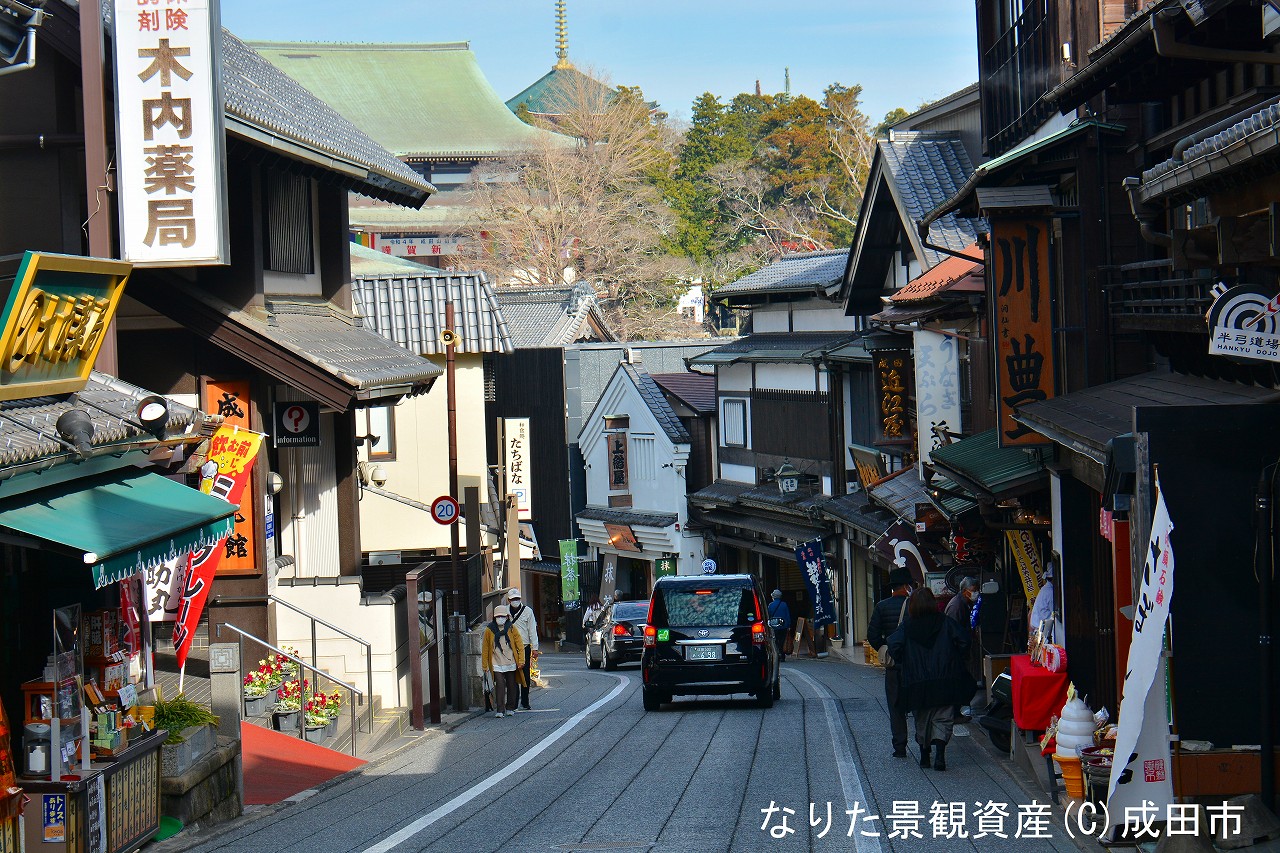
(288, 223)
(380, 423)
(733, 420)
(642, 457)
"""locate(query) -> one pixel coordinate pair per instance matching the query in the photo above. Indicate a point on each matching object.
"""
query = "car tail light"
(620, 631)
(757, 633)
(650, 637)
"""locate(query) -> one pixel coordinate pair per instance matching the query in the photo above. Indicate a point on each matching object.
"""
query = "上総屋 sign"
(170, 136)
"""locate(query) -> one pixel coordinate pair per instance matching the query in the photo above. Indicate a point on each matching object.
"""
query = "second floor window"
(380, 421)
(733, 420)
(288, 223)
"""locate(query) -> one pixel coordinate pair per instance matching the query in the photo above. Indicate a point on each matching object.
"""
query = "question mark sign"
(296, 414)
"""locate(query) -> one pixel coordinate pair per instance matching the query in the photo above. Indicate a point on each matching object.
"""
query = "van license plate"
(703, 652)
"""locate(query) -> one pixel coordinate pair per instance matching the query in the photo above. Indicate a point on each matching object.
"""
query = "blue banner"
(814, 566)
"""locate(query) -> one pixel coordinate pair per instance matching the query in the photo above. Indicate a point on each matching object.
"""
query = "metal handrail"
(352, 691)
(368, 648)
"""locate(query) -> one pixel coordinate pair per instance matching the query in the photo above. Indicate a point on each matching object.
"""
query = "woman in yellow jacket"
(501, 653)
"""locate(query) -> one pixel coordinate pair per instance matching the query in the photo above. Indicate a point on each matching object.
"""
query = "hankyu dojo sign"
(516, 459)
(817, 578)
(418, 247)
(1244, 322)
(937, 369)
(54, 320)
(893, 376)
(1023, 322)
(170, 138)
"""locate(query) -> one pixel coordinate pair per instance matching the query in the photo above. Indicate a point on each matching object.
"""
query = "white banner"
(937, 388)
(163, 585)
(417, 247)
(515, 456)
(170, 139)
(1140, 768)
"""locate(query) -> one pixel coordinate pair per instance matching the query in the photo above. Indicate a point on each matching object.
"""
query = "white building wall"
(820, 317)
(733, 377)
(771, 318)
(737, 473)
(786, 377)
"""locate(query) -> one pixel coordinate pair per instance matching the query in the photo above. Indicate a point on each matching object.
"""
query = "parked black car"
(617, 636)
(708, 635)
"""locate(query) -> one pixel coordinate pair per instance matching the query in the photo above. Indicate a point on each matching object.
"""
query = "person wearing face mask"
(501, 650)
(960, 608)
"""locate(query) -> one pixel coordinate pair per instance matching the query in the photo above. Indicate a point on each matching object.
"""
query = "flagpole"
(182, 673)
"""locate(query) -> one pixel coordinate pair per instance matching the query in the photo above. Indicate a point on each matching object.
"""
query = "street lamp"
(788, 478)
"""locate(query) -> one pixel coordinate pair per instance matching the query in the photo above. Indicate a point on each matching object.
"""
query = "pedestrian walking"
(523, 619)
(931, 649)
(887, 615)
(592, 612)
(778, 609)
(500, 651)
(961, 609)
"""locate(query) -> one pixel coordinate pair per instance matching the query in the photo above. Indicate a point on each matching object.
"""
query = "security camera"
(378, 475)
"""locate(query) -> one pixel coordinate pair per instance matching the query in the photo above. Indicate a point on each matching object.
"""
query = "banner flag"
(1140, 768)
(814, 566)
(232, 451)
(569, 592)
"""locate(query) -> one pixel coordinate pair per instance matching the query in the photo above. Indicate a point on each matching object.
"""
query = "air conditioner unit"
(384, 558)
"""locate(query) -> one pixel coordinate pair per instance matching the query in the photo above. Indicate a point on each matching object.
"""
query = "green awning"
(981, 465)
(124, 522)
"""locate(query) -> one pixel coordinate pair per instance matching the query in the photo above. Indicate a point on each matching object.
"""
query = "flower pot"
(285, 721)
(315, 734)
(331, 727)
(255, 706)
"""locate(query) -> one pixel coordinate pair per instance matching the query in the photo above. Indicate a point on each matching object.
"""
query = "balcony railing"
(1149, 295)
(1020, 67)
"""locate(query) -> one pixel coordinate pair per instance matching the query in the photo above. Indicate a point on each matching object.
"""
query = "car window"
(690, 606)
(637, 612)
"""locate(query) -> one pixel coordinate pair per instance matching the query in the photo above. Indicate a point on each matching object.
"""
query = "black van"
(708, 635)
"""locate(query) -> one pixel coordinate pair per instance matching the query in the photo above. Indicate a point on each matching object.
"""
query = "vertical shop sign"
(893, 377)
(232, 452)
(170, 138)
(570, 593)
(1026, 556)
(937, 369)
(618, 468)
(516, 459)
(1140, 773)
(230, 400)
(1023, 322)
(816, 576)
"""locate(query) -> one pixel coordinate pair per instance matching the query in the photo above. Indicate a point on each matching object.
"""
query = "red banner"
(226, 474)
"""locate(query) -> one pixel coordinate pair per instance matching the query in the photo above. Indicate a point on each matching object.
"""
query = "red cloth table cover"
(1038, 694)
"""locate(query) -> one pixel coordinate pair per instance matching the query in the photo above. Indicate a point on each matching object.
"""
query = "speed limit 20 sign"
(444, 510)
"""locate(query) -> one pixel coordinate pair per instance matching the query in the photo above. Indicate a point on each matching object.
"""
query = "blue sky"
(902, 53)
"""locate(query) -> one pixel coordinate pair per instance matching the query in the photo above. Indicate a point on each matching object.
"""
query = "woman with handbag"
(931, 649)
(500, 650)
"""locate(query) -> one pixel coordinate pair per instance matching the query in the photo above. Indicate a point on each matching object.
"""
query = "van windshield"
(688, 607)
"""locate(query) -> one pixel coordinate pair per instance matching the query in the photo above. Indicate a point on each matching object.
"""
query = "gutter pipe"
(1145, 216)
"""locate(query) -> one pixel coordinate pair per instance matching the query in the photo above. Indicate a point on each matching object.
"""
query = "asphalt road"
(589, 770)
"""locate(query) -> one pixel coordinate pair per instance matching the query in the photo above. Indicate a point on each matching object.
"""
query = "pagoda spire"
(562, 37)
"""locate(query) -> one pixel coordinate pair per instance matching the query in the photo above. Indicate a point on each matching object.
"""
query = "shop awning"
(124, 522)
(982, 466)
(902, 490)
(797, 533)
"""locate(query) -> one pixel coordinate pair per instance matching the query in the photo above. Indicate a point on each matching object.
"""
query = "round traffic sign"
(444, 510)
(708, 566)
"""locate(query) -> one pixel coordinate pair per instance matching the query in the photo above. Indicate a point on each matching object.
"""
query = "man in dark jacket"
(778, 609)
(960, 609)
(888, 614)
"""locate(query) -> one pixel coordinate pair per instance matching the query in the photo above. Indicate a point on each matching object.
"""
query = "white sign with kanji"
(418, 247)
(170, 138)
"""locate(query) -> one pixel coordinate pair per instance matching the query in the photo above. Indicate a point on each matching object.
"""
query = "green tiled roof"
(548, 94)
(980, 462)
(419, 101)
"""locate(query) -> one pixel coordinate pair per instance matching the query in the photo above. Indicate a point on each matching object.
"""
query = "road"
(589, 770)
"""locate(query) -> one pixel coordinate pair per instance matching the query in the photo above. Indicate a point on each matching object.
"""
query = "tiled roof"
(408, 307)
(634, 518)
(367, 262)
(924, 169)
(980, 462)
(722, 492)
(428, 101)
(657, 404)
(342, 345)
(778, 528)
(1229, 151)
(28, 427)
(432, 218)
(260, 95)
(942, 277)
(695, 390)
(902, 490)
(774, 346)
(549, 94)
(549, 316)
(805, 272)
(856, 510)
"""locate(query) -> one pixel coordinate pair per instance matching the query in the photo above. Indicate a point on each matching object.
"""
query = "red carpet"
(277, 766)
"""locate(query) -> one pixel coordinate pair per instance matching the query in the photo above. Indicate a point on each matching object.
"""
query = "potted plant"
(286, 664)
(190, 735)
(333, 707)
(316, 718)
(288, 706)
(255, 693)
(272, 673)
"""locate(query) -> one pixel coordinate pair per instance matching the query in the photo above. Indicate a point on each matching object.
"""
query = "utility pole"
(450, 339)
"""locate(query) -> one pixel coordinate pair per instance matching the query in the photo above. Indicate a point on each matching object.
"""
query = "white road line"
(850, 780)
(479, 788)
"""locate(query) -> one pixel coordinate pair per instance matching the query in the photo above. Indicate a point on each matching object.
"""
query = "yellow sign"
(54, 321)
(1027, 557)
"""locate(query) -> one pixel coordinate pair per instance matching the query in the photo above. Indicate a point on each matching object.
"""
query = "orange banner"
(1023, 321)
(230, 399)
